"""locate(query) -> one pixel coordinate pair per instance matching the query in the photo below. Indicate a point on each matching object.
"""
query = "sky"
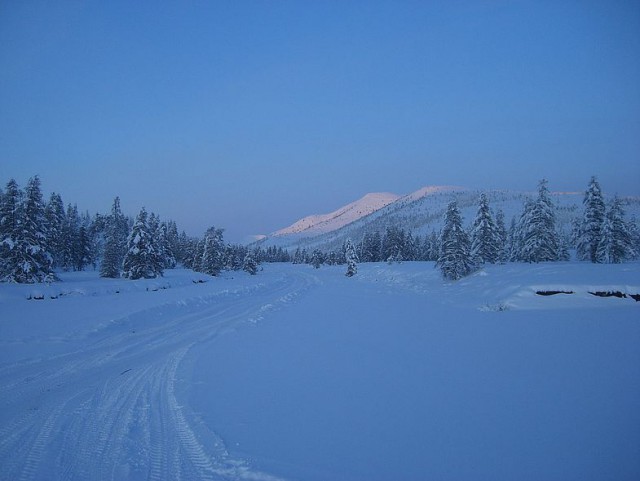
(249, 115)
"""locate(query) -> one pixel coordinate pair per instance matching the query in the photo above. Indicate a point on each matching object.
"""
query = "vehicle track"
(110, 409)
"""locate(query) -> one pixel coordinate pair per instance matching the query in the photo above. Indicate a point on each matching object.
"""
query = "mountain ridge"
(316, 224)
(421, 212)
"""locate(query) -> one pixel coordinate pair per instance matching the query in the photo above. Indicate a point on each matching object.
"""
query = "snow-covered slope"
(422, 211)
(323, 223)
(316, 228)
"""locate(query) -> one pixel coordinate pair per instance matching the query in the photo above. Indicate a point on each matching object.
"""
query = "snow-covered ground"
(305, 374)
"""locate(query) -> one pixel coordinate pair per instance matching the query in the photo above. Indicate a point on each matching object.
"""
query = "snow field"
(398, 375)
(304, 374)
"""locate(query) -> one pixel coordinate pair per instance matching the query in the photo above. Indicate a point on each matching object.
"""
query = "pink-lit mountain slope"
(320, 224)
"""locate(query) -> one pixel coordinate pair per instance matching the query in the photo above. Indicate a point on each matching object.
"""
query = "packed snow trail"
(110, 410)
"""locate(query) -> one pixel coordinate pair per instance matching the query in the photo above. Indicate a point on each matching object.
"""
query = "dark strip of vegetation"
(552, 293)
(608, 294)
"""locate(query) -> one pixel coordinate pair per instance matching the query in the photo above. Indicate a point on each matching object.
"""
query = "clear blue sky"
(251, 114)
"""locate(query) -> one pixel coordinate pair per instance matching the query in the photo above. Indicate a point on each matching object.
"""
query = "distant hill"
(323, 223)
(421, 212)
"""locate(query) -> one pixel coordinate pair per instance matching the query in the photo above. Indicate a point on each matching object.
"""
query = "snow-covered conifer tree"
(590, 231)
(409, 248)
(317, 258)
(485, 240)
(250, 264)
(393, 244)
(370, 247)
(56, 219)
(116, 233)
(634, 232)
(431, 248)
(111, 263)
(455, 259)
(512, 248)
(139, 261)
(173, 245)
(81, 249)
(298, 257)
(538, 237)
(501, 230)
(198, 252)
(184, 250)
(10, 223)
(28, 259)
(213, 252)
(70, 234)
(157, 243)
(35, 250)
(352, 259)
(616, 242)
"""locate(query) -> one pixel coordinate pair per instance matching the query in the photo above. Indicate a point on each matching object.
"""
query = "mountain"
(323, 223)
(421, 212)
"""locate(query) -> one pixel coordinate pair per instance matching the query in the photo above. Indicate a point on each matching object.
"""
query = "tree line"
(38, 238)
(601, 235)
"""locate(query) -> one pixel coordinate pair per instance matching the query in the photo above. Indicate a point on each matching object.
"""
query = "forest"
(39, 238)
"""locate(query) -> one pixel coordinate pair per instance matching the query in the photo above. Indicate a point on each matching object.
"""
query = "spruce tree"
(115, 246)
(139, 261)
(501, 230)
(158, 244)
(172, 244)
(352, 259)
(29, 259)
(212, 254)
(538, 237)
(10, 222)
(634, 232)
(56, 219)
(512, 249)
(393, 244)
(316, 258)
(616, 241)
(184, 250)
(455, 259)
(81, 249)
(370, 247)
(110, 266)
(198, 253)
(592, 222)
(485, 240)
(250, 264)
(70, 233)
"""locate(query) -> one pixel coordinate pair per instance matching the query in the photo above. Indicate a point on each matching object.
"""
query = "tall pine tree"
(352, 259)
(501, 230)
(590, 229)
(616, 241)
(10, 223)
(115, 246)
(455, 260)
(139, 261)
(212, 260)
(23, 235)
(539, 241)
(485, 240)
(56, 219)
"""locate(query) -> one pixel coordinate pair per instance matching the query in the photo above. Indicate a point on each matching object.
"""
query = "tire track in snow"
(110, 411)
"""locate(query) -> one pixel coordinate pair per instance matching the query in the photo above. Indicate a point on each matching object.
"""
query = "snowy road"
(110, 409)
